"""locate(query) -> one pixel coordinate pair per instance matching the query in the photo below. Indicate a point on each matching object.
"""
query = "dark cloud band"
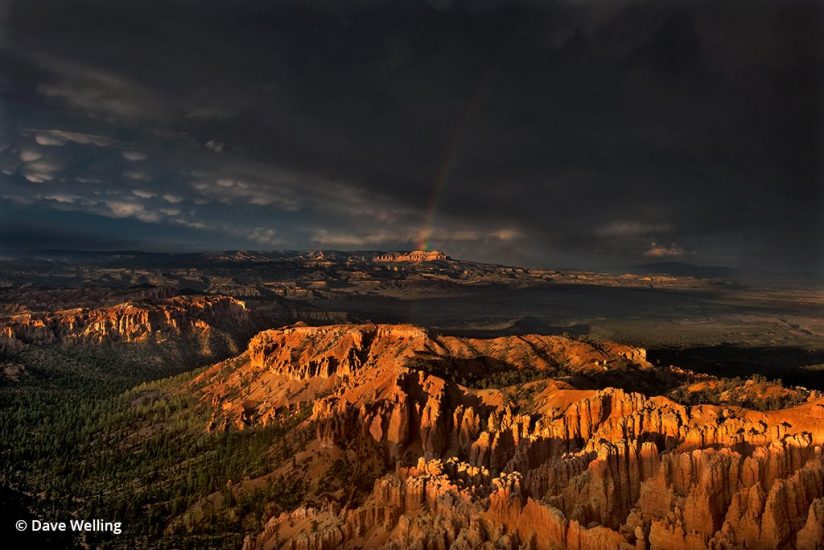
(589, 133)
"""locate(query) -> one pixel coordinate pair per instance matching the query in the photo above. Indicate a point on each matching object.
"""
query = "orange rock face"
(128, 322)
(413, 256)
(555, 461)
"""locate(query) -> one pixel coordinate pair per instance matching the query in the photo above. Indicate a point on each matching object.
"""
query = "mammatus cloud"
(506, 234)
(137, 175)
(485, 138)
(263, 188)
(40, 170)
(266, 236)
(134, 156)
(215, 146)
(58, 138)
(96, 92)
(656, 250)
(124, 209)
(120, 207)
(232, 191)
(28, 155)
(48, 140)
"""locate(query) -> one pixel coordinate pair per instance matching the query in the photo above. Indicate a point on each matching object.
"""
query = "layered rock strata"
(549, 463)
(136, 321)
(413, 256)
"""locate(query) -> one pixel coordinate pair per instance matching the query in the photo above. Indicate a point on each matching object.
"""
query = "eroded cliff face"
(129, 322)
(552, 462)
(412, 256)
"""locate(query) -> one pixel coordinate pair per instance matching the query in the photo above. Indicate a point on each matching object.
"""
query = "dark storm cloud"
(592, 133)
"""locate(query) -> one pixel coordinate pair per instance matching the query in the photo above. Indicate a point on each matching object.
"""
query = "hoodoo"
(513, 442)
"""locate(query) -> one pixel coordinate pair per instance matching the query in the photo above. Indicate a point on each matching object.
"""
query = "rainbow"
(424, 241)
(427, 229)
(424, 237)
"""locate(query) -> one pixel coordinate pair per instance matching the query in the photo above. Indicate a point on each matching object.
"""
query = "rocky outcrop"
(129, 322)
(414, 256)
(545, 464)
(811, 536)
(303, 352)
(388, 379)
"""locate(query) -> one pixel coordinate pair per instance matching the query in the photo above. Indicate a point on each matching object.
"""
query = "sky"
(578, 133)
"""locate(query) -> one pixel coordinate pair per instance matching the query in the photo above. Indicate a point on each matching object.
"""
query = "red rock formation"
(565, 468)
(128, 322)
(413, 256)
(811, 536)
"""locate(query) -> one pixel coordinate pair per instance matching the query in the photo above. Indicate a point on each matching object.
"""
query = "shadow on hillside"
(795, 366)
(526, 325)
(483, 372)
